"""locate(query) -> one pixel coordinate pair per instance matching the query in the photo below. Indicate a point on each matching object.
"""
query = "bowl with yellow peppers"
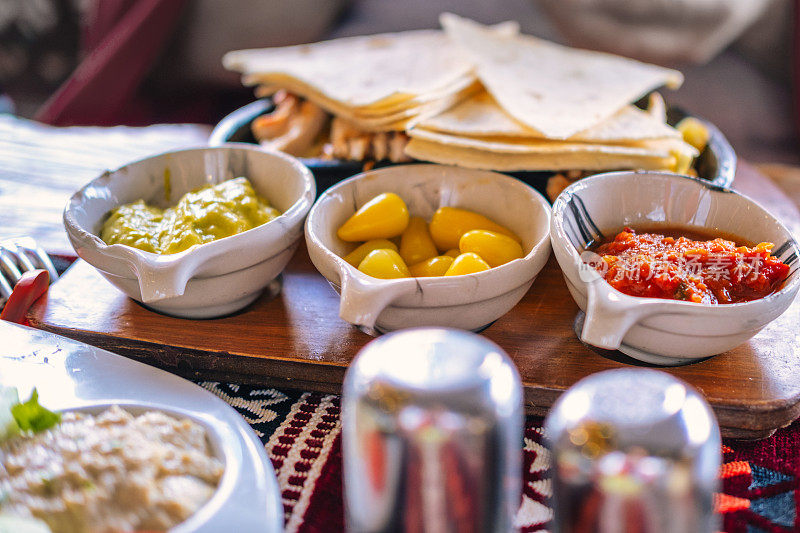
(428, 245)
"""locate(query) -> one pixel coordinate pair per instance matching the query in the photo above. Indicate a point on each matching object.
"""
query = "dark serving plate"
(716, 164)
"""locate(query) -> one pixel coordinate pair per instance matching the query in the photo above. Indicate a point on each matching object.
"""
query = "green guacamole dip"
(207, 214)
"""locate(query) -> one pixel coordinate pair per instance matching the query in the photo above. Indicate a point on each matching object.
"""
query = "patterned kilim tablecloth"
(302, 434)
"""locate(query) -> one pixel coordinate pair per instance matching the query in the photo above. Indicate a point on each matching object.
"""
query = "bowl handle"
(362, 301)
(167, 281)
(160, 277)
(609, 315)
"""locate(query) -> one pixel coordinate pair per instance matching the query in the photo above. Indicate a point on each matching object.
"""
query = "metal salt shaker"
(633, 450)
(432, 434)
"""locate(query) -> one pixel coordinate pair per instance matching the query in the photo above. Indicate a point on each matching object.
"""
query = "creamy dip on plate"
(110, 472)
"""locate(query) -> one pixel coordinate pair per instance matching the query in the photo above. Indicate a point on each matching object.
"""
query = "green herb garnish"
(30, 416)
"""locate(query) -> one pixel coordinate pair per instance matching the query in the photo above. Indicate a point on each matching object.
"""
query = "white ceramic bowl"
(469, 302)
(666, 332)
(212, 279)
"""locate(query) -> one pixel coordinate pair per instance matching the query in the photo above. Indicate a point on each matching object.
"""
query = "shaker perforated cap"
(646, 408)
(436, 362)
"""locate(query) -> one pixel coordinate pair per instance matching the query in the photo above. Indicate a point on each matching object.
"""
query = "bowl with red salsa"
(671, 269)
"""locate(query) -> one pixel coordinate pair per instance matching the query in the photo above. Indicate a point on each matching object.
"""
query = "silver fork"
(17, 256)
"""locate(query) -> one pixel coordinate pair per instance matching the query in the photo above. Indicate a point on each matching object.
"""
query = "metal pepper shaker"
(633, 450)
(432, 434)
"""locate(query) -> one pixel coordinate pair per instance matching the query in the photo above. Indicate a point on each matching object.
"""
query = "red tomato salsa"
(714, 271)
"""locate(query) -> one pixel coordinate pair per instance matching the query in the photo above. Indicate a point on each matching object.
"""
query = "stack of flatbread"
(378, 83)
(482, 97)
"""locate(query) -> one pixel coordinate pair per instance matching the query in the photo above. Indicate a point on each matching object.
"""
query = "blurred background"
(136, 62)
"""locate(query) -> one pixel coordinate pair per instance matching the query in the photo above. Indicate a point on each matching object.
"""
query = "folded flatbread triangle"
(556, 90)
(481, 116)
(365, 71)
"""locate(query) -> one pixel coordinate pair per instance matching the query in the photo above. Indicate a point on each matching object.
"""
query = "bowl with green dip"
(195, 233)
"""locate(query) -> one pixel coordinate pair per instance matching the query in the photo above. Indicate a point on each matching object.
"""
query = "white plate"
(73, 375)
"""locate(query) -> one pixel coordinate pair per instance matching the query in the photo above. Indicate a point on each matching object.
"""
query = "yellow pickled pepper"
(415, 243)
(383, 217)
(356, 256)
(494, 248)
(384, 264)
(433, 267)
(450, 223)
(453, 252)
(468, 263)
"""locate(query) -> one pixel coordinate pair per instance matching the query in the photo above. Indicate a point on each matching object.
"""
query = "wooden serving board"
(298, 340)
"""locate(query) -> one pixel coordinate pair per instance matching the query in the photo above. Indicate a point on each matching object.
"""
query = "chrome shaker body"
(633, 450)
(432, 434)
